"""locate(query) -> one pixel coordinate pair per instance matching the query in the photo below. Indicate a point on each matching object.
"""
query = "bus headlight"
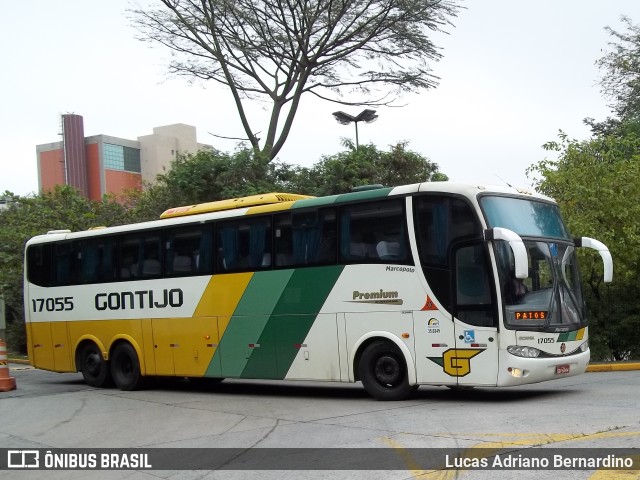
(585, 346)
(526, 352)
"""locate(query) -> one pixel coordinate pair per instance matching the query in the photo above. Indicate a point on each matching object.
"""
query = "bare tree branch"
(278, 50)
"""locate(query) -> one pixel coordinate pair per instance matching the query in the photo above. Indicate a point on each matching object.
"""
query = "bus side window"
(244, 245)
(39, 265)
(328, 237)
(151, 258)
(283, 238)
(65, 263)
(128, 258)
(188, 251)
(374, 233)
(306, 238)
(96, 260)
(140, 256)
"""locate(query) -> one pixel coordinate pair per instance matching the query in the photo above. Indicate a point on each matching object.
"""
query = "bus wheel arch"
(125, 366)
(90, 362)
(385, 368)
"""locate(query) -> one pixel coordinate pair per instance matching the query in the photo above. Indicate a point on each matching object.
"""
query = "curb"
(21, 361)
(613, 367)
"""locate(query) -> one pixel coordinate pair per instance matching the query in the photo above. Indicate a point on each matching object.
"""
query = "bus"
(427, 284)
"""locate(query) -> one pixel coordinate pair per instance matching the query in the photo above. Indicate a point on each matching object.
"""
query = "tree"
(596, 182)
(597, 185)
(367, 165)
(277, 51)
(620, 82)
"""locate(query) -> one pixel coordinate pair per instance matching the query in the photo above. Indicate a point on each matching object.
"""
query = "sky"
(513, 74)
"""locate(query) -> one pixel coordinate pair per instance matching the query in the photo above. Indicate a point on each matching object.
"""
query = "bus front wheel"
(383, 371)
(125, 367)
(94, 368)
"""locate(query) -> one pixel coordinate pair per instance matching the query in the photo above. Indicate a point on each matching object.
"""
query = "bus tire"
(383, 371)
(125, 367)
(94, 368)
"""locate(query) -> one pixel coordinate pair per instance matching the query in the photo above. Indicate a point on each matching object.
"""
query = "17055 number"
(57, 304)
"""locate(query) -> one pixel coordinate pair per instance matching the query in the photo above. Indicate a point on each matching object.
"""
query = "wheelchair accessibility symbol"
(469, 336)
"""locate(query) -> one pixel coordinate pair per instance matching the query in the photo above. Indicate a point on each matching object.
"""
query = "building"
(102, 164)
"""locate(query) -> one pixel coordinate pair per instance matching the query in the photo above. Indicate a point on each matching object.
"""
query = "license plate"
(560, 369)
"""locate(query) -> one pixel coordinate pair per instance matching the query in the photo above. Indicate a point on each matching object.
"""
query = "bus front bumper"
(521, 371)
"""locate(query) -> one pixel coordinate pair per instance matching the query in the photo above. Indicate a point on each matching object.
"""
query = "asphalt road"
(51, 410)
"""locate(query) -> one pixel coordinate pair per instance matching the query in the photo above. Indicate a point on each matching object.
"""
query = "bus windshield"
(550, 298)
(525, 217)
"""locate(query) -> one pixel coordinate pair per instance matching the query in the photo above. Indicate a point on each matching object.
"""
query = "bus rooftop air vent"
(364, 188)
(252, 201)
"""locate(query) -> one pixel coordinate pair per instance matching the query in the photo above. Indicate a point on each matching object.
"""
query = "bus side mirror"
(602, 249)
(516, 244)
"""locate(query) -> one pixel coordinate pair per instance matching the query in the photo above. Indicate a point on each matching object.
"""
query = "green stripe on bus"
(567, 337)
(242, 336)
(315, 202)
(343, 198)
(364, 195)
(291, 321)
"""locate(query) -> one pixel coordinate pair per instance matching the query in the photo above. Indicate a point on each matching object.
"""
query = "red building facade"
(95, 166)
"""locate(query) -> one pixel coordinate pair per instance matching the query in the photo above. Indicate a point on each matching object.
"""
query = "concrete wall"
(159, 149)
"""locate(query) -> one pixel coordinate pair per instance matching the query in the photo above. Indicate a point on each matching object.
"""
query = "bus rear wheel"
(125, 367)
(94, 368)
(383, 371)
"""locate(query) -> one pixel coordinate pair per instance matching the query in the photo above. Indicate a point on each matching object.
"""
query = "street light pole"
(366, 116)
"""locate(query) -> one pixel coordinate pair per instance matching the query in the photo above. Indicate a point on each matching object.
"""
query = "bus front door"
(475, 359)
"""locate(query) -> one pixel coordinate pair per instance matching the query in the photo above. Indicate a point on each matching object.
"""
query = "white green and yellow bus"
(426, 284)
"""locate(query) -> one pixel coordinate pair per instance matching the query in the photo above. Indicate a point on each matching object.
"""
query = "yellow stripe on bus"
(222, 295)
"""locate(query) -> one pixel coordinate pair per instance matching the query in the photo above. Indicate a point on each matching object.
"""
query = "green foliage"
(597, 185)
(621, 82)
(211, 175)
(25, 217)
(367, 165)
